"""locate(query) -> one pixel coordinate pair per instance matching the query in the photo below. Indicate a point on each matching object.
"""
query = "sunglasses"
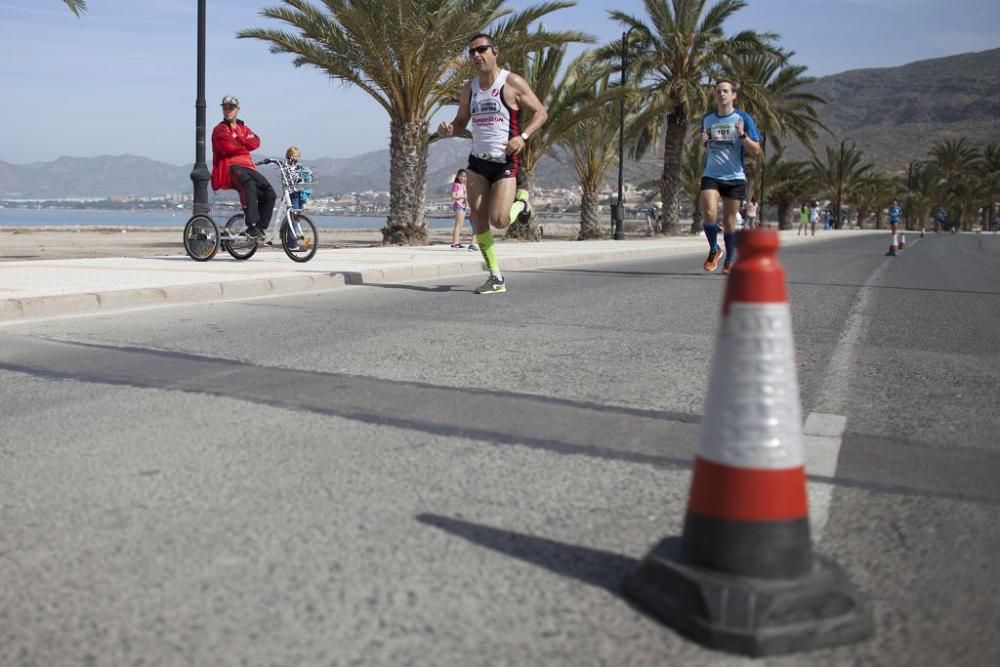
(481, 49)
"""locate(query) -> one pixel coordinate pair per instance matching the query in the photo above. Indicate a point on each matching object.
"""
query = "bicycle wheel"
(237, 243)
(201, 238)
(301, 241)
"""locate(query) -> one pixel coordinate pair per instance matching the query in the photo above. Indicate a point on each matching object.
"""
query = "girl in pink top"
(459, 206)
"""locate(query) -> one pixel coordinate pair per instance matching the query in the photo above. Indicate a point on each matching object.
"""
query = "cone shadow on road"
(594, 567)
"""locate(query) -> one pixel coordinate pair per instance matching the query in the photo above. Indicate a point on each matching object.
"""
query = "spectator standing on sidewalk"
(752, 212)
(459, 207)
(803, 220)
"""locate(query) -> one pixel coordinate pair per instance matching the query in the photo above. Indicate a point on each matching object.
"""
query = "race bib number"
(722, 133)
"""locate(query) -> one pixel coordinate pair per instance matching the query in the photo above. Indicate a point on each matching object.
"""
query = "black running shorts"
(726, 189)
(494, 171)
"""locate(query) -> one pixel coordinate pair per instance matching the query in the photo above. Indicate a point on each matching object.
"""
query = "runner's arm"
(462, 116)
(525, 98)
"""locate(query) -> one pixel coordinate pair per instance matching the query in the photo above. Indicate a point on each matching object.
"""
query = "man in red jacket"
(233, 168)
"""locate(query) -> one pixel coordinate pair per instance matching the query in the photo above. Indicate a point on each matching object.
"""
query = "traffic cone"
(902, 240)
(892, 247)
(743, 577)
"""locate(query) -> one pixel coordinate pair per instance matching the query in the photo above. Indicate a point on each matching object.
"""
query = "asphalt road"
(414, 474)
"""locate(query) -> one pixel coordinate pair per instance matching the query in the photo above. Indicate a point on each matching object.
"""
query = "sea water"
(55, 217)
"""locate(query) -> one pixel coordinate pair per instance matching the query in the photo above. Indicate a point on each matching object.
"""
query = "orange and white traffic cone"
(743, 577)
(893, 246)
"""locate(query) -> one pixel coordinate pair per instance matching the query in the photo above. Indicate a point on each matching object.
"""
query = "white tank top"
(493, 122)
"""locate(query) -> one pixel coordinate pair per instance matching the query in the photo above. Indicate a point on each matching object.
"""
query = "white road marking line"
(823, 433)
(836, 383)
(822, 436)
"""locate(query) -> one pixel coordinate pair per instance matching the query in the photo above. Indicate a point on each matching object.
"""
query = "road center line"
(822, 436)
(823, 432)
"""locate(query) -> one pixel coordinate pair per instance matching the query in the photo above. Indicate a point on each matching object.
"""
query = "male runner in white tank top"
(493, 101)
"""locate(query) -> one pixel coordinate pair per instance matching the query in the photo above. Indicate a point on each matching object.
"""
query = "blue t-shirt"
(895, 213)
(724, 159)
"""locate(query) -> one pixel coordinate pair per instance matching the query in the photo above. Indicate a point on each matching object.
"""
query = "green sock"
(485, 241)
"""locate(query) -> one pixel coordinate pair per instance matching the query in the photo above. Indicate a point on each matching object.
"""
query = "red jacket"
(231, 146)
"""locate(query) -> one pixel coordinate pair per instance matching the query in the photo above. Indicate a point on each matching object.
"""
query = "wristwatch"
(524, 136)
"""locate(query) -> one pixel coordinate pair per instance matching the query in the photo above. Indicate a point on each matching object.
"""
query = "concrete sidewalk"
(49, 288)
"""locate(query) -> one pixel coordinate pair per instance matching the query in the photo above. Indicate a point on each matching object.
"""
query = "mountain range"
(893, 114)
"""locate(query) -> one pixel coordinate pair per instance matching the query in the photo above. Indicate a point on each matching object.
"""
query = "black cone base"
(745, 615)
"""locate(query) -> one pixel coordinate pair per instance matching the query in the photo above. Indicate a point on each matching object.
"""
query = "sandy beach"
(28, 243)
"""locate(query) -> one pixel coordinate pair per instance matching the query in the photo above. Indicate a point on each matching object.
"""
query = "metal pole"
(909, 198)
(840, 186)
(200, 174)
(618, 212)
(763, 170)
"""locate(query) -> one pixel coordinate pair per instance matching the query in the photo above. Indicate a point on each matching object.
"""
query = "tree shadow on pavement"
(602, 569)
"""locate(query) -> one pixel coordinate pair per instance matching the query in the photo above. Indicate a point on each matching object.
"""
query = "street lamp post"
(840, 184)
(200, 174)
(618, 211)
(909, 188)
(763, 171)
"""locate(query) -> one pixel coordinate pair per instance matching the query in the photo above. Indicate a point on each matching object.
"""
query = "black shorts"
(495, 171)
(726, 189)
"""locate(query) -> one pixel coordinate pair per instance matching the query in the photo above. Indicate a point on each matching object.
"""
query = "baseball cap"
(229, 99)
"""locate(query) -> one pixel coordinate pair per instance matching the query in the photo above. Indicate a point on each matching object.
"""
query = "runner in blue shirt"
(727, 133)
(895, 214)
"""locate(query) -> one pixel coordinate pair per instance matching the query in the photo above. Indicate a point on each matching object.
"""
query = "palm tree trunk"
(783, 221)
(670, 182)
(406, 224)
(590, 215)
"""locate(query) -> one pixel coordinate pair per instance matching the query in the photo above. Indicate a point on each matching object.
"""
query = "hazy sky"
(121, 78)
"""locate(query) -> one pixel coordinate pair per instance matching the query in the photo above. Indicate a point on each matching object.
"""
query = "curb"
(31, 308)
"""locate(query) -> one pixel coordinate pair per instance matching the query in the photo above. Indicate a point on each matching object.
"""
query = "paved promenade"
(47, 288)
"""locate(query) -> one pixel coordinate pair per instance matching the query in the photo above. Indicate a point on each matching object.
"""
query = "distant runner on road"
(895, 213)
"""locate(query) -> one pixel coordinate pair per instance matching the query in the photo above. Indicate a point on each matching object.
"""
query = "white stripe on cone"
(752, 417)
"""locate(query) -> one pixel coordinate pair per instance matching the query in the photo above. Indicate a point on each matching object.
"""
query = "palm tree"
(692, 167)
(682, 45)
(771, 90)
(957, 164)
(837, 177)
(789, 182)
(925, 194)
(954, 158)
(76, 6)
(872, 193)
(991, 169)
(404, 54)
(589, 144)
(567, 100)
